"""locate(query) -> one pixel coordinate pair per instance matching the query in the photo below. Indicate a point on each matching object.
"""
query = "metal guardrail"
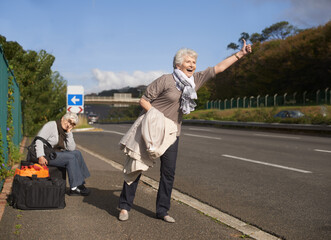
(276, 126)
(308, 128)
(109, 100)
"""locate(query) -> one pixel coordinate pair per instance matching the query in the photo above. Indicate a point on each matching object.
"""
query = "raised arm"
(220, 67)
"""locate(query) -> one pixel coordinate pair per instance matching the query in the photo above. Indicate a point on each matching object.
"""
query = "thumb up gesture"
(246, 48)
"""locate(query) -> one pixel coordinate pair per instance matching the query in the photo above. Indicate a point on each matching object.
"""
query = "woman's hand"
(220, 67)
(42, 161)
(246, 48)
(69, 128)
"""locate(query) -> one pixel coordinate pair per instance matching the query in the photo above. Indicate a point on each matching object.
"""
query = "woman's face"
(67, 124)
(188, 66)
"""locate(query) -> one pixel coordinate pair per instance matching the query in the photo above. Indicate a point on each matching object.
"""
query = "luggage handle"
(43, 140)
(34, 177)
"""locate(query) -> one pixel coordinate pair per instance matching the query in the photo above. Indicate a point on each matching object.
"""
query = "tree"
(279, 30)
(42, 91)
(299, 62)
(243, 35)
(233, 46)
(203, 97)
(256, 37)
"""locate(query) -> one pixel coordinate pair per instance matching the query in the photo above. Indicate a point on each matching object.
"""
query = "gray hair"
(72, 116)
(182, 53)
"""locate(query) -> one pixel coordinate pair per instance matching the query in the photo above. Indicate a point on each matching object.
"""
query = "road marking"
(114, 132)
(199, 129)
(320, 150)
(82, 129)
(110, 162)
(201, 136)
(208, 210)
(267, 164)
(276, 136)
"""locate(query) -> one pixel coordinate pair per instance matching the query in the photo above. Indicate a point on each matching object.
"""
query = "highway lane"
(278, 182)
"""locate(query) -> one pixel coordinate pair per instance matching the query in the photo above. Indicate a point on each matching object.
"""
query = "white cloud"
(115, 80)
(309, 13)
(302, 13)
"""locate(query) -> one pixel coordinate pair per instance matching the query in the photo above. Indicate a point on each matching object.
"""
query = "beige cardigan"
(147, 139)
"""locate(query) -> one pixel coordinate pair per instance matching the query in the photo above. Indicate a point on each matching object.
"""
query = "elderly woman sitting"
(58, 134)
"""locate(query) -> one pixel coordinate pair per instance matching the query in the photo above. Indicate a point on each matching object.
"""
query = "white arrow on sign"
(74, 99)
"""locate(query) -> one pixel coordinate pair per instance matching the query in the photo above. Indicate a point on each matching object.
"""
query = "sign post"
(75, 99)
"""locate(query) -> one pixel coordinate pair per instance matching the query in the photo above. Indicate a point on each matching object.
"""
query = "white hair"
(182, 53)
(71, 116)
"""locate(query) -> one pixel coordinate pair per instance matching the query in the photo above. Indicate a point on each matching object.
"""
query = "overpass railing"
(109, 100)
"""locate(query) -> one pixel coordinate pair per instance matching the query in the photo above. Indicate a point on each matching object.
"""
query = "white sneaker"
(124, 215)
(169, 219)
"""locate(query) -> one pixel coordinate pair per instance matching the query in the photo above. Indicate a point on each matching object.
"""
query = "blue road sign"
(75, 99)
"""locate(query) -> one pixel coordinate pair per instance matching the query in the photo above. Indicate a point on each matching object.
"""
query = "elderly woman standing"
(173, 94)
(58, 134)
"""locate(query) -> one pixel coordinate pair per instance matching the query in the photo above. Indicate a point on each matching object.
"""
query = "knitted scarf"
(62, 137)
(186, 86)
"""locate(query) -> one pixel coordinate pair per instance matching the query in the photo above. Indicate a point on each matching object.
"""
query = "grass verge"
(82, 122)
(313, 115)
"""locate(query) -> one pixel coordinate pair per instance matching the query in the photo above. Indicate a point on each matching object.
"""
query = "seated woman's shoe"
(124, 215)
(81, 190)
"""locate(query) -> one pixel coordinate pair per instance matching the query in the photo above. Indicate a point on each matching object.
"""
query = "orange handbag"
(35, 169)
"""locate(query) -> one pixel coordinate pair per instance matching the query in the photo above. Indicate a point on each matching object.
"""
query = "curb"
(6, 190)
(87, 130)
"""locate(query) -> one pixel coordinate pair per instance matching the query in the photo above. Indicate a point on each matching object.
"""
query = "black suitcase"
(32, 193)
(57, 172)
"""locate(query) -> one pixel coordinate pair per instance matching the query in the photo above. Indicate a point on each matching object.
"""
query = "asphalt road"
(278, 182)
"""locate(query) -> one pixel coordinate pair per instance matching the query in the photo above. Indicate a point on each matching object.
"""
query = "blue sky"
(108, 44)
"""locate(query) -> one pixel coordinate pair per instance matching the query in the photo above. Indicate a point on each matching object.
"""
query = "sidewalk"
(8, 183)
(96, 216)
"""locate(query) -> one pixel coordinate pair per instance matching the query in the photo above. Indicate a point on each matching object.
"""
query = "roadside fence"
(10, 109)
(322, 96)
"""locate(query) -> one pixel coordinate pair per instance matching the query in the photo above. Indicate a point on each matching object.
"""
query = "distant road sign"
(75, 99)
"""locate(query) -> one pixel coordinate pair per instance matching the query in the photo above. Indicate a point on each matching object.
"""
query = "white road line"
(199, 129)
(201, 136)
(275, 136)
(320, 150)
(114, 132)
(208, 210)
(110, 162)
(267, 164)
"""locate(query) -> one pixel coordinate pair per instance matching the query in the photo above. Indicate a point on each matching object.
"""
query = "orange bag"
(35, 169)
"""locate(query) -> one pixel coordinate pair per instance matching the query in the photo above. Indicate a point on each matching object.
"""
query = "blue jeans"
(74, 162)
(167, 177)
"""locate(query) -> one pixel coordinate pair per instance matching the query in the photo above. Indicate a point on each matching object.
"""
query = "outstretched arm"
(220, 67)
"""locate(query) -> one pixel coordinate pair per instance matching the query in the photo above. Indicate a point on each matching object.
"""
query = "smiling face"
(188, 66)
